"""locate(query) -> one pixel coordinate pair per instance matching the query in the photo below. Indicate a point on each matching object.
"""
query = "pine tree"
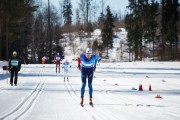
(78, 20)
(88, 3)
(107, 31)
(130, 27)
(101, 20)
(150, 23)
(169, 27)
(67, 12)
(134, 26)
(13, 15)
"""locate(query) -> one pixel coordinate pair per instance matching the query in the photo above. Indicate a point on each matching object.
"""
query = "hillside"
(76, 43)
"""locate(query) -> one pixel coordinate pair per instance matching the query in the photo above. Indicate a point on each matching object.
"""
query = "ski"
(91, 104)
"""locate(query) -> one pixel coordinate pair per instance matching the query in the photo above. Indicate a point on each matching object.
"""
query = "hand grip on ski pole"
(79, 67)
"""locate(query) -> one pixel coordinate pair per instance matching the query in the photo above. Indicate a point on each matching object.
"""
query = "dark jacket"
(14, 63)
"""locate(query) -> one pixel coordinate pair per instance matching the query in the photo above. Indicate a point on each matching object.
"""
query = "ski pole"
(76, 66)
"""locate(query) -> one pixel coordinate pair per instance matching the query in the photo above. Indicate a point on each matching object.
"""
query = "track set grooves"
(93, 111)
(26, 104)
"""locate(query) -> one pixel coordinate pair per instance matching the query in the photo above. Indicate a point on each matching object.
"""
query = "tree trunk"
(0, 43)
(7, 41)
(33, 51)
(87, 11)
(50, 33)
(153, 48)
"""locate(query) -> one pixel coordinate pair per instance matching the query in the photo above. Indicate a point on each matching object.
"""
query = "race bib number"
(14, 63)
(58, 58)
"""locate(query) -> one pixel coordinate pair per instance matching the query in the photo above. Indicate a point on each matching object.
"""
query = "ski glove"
(94, 68)
(79, 67)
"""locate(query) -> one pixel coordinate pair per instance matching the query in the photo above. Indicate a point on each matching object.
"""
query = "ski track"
(138, 103)
(25, 105)
(97, 113)
(104, 89)
(4, 87)
(124, 100)
(74, 96)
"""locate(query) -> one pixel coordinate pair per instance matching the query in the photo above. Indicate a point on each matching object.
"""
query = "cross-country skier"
(57, 59)
(14, 68)
(87, 65)
(65, 67)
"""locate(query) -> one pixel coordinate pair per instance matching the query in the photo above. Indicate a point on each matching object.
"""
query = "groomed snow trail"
(41, 94)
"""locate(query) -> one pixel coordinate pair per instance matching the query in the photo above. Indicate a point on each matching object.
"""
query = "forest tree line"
(31, 28)
(156, 24)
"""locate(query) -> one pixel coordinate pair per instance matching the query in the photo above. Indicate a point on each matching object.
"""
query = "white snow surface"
(41, 94)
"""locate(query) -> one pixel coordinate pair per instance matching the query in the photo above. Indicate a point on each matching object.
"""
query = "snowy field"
(41, 94)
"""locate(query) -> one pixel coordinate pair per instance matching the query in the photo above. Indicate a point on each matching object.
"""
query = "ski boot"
(90, 102)
(82, 100)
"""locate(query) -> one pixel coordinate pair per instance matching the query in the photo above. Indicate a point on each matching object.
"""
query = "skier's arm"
(79, 61)
(96, 59)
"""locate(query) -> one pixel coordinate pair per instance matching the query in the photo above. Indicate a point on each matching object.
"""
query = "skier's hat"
(88, 51)
(14, 53)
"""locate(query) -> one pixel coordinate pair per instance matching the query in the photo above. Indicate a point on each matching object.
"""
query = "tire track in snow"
(25, 105)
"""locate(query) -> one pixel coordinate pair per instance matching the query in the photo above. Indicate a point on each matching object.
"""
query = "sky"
(114, 4)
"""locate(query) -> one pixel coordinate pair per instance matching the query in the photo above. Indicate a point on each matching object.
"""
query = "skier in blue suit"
(87, 66)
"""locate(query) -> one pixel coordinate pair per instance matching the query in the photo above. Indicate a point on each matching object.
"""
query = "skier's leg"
(56, 67)
(64, 73)
(16, 76)
(12, 76)
(90, 79)
(82, 100)
(83, 78)
(67, 74)
(59, 67)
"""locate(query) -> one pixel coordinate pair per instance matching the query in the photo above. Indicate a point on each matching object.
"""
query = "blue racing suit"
(88, 67)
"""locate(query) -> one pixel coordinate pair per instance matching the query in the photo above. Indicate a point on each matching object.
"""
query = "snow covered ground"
(41, 94)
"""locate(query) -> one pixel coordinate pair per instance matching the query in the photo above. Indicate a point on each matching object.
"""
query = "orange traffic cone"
(158, 96)
(150, 89)
(140, 87)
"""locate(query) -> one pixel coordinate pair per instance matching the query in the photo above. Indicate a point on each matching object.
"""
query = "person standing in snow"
(87, 66)
(43, 60)
(65, 67)
(57, 59)
(14, 68)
